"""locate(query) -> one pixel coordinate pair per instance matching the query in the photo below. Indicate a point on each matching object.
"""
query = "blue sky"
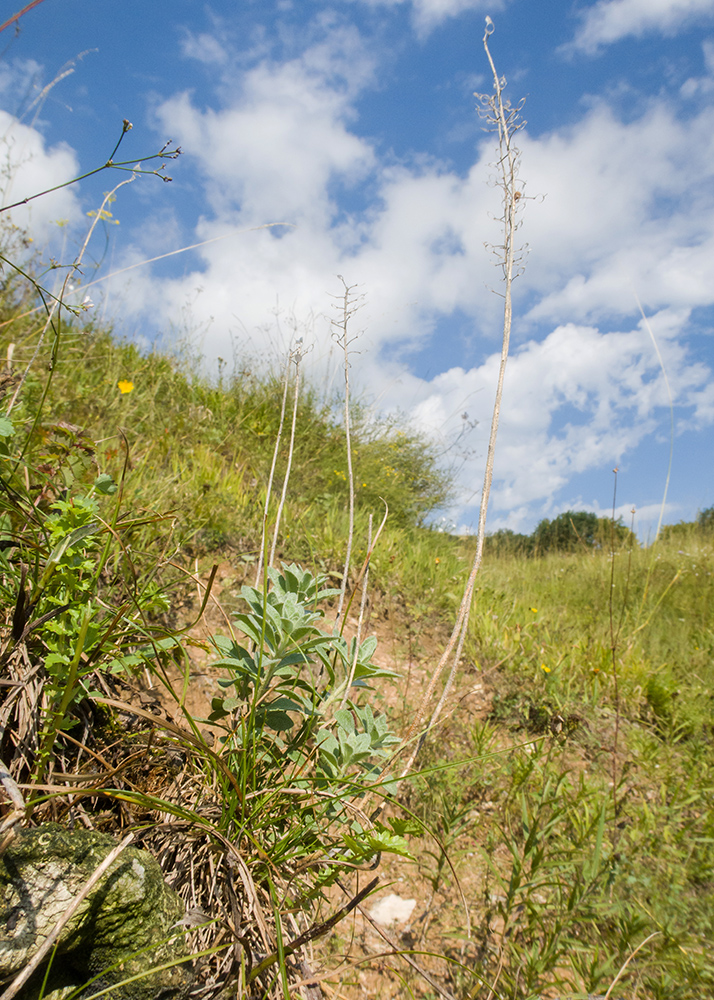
(354, 122)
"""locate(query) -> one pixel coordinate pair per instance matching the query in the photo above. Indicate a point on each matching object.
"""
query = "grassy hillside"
(560, 826)
(598, 830)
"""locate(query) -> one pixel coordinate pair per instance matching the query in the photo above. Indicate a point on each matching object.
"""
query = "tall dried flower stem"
(506, 120)
(296, 356)
(349, 306)
(271, 477)
(360, 622)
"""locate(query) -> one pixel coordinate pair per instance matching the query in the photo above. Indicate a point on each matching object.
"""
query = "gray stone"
(130, 910)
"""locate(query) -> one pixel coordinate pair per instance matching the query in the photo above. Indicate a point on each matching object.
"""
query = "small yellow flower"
(125, 386)
(534, 610)
(545, 668)
(437, 560)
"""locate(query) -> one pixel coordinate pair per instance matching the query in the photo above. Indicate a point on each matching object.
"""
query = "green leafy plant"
(287, 681)
(65, 613)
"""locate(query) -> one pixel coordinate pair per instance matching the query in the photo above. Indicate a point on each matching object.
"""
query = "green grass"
(205, 449)
(574, 876)
(554, 624)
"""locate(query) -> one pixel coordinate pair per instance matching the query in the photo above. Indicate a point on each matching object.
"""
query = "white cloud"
(697, 87)
(205, 48)
(609, 21)
(28, 167)
(575, 401)
(629, 206)
(282, 150)
(19, 79)
(274, 152)
(428, 14)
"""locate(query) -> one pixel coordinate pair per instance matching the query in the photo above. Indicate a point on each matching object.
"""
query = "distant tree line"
(572, 531)
(583, 531)
(702, 525)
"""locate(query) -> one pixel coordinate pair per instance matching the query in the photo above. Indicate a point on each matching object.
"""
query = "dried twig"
(316, 931)
(17, 812)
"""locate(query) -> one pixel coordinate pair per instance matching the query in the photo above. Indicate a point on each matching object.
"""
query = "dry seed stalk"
(506, 120)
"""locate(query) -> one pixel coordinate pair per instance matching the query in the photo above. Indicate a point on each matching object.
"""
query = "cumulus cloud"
(697, 87)
(276, 149)
(282, 150)
(609, 21)
(205, 48)
(428, 14)
(28, 167)
(630, 203)
(572, 402)
(19, 81)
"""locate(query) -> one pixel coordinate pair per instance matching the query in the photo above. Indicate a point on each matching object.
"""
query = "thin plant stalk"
(614, 635)
(360, 622)
(365, 564)
(349, 308)
(614, 641)
(50, 323)
(134, 166)
(192, 246)
(450, 679)
(629, 958)
(671, 416)
(276, 450)
(295, 356)
(18, 15)
(506, 121)
(397, 950)
(663, 505)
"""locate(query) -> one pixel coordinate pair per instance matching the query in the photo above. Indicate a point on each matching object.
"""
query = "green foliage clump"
(705, 519)
(64, 614)
(603, 665)
(690, 532)
(571, 531)
(81, 575)
(294, 721)
(506, 542)
(574, 530)
(566, 532)
(111, 461)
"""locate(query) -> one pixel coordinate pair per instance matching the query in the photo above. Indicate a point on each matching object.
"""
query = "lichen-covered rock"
(125, 927)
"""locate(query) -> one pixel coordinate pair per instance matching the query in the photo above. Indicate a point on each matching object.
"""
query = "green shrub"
(705, 519)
